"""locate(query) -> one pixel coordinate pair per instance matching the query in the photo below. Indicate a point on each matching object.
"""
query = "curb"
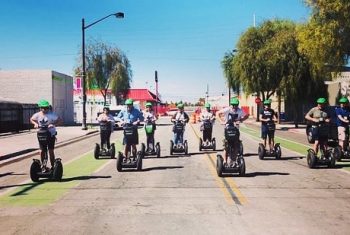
(37, 152)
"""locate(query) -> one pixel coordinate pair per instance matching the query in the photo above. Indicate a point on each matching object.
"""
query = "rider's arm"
(187, 119)
(34, 120)
(308, 116)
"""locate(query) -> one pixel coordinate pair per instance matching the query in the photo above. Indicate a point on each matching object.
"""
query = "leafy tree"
(107, 68)
(325, 39)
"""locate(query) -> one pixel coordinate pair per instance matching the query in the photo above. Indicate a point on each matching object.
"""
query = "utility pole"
(156, 80)
(207, 93)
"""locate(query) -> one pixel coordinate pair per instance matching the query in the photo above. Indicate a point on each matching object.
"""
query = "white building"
(29, 86)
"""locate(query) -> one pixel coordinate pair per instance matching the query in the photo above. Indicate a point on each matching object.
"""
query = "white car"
(172, 111)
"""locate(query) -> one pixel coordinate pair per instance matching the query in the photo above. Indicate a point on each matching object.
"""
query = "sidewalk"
(26, 143)
(283, 126)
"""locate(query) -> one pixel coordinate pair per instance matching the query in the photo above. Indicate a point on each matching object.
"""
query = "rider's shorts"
(319, 133)
(341, 133)
(266, 132)
(133, 140)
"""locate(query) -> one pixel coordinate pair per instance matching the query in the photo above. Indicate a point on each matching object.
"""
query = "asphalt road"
(176, 194)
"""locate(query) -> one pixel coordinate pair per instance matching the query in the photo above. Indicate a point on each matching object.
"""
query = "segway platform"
(130, 162)
(262, 152)
(104, 152)
(211, 145)
(37, 170)
(179, 148)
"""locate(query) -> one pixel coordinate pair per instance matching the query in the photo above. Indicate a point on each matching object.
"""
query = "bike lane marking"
(230, 189)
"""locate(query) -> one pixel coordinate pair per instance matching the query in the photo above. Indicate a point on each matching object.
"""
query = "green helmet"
(321, 100)
(343, 100)
(180, 105)
(267, 102)
(43, 104)
(148, 104)
(234, 101)
(207, 105)
(129, 101)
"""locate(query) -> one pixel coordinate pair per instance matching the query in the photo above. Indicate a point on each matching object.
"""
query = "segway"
(39, 169)
(207, 130)
(131, 160)
(152, 149)
(327, 157)
(237, 163)
(182, 147)
(103, 151)
(263, 152)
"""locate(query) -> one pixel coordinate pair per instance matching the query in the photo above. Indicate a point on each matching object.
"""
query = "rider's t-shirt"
(267, 114)
(317, 113)
(45, 120)
(181, 116)
(230, 112)
(344, 112)
(130, 117)
(110, 118)
(205, 115)
(149, 115)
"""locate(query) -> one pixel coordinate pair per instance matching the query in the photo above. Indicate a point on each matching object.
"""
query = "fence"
(14, 116)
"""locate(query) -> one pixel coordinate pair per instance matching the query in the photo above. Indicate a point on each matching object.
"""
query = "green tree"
(325, 39)
(107, 68)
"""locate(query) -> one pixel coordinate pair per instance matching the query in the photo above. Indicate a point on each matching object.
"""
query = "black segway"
(237, 163)
(103, 151)
(39, 169)
(182, 147)
(207, 131)
(263, 152)
(327, 157)
(152, 149)
(131, 160)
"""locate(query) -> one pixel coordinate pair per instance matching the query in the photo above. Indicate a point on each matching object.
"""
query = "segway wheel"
(214, 144)
(241, 166)
(97, 151)
(240, 148)
(112, 151)
(143, 148)
(200, 144)
(278, 151)
(311, 158)
(331, 163)
(139, 161)
(57, 170)
(219, 165)
(171, 147)
(186, 147)
(261, 151)
(338, 153)
(119, 161)
(34, 170)
(158, 149)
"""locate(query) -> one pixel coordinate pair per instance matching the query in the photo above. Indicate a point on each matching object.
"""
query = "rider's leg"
(316, 145)
(51, 146)
(108, 139)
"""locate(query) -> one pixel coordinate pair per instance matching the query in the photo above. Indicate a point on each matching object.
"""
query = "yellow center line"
(228, 185)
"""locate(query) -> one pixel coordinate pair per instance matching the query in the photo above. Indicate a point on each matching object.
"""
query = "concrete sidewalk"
(283, 126)
(26, 143)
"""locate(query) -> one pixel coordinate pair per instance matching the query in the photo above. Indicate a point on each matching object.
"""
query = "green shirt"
(317, 113)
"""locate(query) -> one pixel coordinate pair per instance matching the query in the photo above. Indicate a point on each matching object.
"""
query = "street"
(176, 194)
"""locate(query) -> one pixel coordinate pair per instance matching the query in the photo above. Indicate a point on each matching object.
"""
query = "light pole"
(83, 27)
(229, 82)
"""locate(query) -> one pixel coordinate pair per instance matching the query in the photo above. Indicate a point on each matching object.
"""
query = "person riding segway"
(45, 120)
(130, 118)
(232, 145)
(320, 130)
(207, 118)
(107, 123)
(180, 118)
(268, 117)
(342, 122)
(150, 127)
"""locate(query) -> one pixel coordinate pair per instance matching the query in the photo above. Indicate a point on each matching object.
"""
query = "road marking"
(228, 186)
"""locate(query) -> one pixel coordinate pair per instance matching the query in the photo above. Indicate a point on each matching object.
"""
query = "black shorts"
(131, 139)
(51, 140)
(266, 132)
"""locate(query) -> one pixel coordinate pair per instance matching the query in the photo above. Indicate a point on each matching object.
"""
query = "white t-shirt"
(45, 120)
(149, 115)
(205, 115)
(227, 111)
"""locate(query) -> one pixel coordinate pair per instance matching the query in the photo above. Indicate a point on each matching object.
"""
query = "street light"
(229, 83)
(119, 15)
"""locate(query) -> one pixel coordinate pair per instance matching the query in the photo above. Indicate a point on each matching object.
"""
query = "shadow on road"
(10, 173)
(254, 174)
(16, 185)
(86, 177)
(162, 168)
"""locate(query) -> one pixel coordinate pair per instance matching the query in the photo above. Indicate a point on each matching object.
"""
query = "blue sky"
(184, 40)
